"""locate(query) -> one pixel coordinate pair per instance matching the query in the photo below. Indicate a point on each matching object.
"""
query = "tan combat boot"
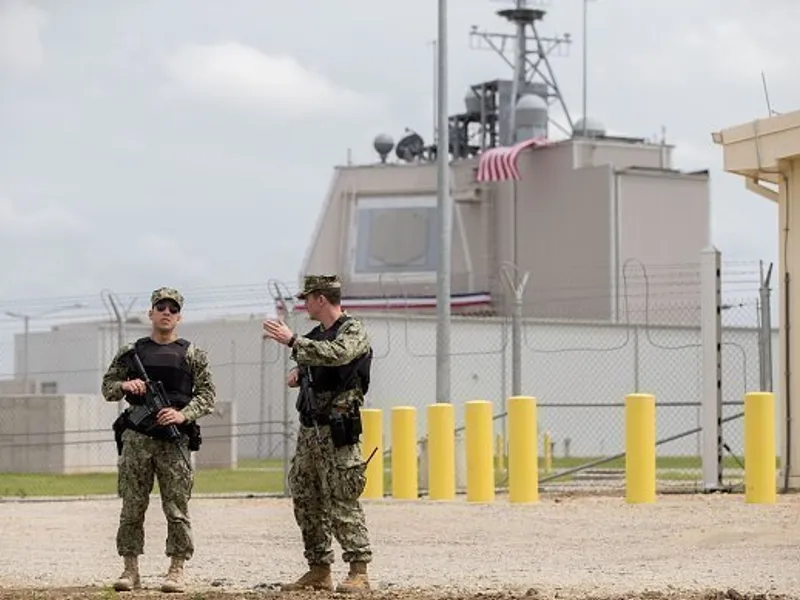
(130, 579)
(174, 580)
(318, 577)
(356, 580)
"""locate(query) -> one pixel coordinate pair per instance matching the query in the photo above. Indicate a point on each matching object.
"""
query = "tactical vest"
(167, 363)
(342, 378)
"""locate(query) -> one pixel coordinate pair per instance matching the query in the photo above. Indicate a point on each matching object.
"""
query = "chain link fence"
(60, 440)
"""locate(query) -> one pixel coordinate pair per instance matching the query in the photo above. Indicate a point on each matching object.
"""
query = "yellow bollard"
(372, 426)
(523, 460)
(759, 448)
(441, 451)
(548, 452)
(480, 459)
(404, 452)
(640, 448)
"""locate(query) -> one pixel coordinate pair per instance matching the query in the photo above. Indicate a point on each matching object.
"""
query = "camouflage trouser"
(326, 484)
(142, 460)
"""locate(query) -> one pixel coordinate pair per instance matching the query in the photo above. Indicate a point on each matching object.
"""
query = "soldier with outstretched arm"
(327, 475)
(146, 450)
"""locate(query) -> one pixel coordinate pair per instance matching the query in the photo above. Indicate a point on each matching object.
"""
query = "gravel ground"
(561, 547)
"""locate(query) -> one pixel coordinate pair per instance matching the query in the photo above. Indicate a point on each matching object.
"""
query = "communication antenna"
(530, 54)
(383, 144)
(410, 148)
(770, 112)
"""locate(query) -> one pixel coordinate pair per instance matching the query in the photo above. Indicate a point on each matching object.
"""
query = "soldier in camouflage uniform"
(183, 369)
(327, 475)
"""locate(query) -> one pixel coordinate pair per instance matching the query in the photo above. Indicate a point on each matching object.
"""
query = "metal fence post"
(711, 339)
(765, 333)
(516, 330)
(516, 345)
(636, 359)
(289, 320)
(284, 307)
(262, 396)
(121, 317)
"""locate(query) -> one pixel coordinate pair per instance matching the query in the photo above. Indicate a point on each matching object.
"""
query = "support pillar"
(789, 336)
(711, 338)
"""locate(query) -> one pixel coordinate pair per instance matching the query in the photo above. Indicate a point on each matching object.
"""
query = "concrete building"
(570, 211)
(581, 209)
(63, 425)
(71, 433)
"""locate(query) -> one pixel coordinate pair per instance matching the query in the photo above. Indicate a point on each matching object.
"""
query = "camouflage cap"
(166, 293)
(319, 283)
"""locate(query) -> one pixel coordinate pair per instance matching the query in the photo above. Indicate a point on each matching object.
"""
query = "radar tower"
(533, 73)
(502, 111)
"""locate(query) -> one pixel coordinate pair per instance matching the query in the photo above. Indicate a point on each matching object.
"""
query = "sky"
(192, 143)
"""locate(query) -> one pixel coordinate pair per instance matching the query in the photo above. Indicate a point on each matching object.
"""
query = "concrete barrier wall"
(72, 434)
(219, 449)
(56, 434)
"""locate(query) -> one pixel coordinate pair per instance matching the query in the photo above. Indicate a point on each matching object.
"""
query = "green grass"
(662, 462)
(266, 476)
(249, 477)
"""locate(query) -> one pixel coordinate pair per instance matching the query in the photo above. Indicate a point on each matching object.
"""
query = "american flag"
(500, 164)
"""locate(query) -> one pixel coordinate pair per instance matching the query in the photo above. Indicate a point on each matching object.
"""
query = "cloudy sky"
(131, 131)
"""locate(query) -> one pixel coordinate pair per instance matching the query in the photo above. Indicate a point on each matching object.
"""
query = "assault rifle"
(155, 399)
(306, 399)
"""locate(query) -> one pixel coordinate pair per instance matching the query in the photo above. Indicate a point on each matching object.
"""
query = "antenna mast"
(530, 56)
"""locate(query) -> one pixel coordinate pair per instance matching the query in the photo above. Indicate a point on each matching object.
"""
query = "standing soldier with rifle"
(327, 475)
(177, 374)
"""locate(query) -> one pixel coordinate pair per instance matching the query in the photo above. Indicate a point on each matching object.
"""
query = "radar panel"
(395, 235)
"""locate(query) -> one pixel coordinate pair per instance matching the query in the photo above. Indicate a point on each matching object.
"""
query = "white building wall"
(67, 355)
(248, 373)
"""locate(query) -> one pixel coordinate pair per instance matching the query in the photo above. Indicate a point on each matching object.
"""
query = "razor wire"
(627, 326)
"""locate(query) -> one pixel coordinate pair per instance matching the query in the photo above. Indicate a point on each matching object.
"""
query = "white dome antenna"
(383, 144)
(531, 117)
(589, 128)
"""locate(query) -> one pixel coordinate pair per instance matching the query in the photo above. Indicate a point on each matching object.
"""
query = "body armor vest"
(167, 363)
(344, 377)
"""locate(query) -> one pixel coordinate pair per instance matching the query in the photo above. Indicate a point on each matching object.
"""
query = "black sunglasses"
(171, 306)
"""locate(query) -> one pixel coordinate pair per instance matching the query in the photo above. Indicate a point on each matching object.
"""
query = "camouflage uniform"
(326, 482)
(144, 459)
